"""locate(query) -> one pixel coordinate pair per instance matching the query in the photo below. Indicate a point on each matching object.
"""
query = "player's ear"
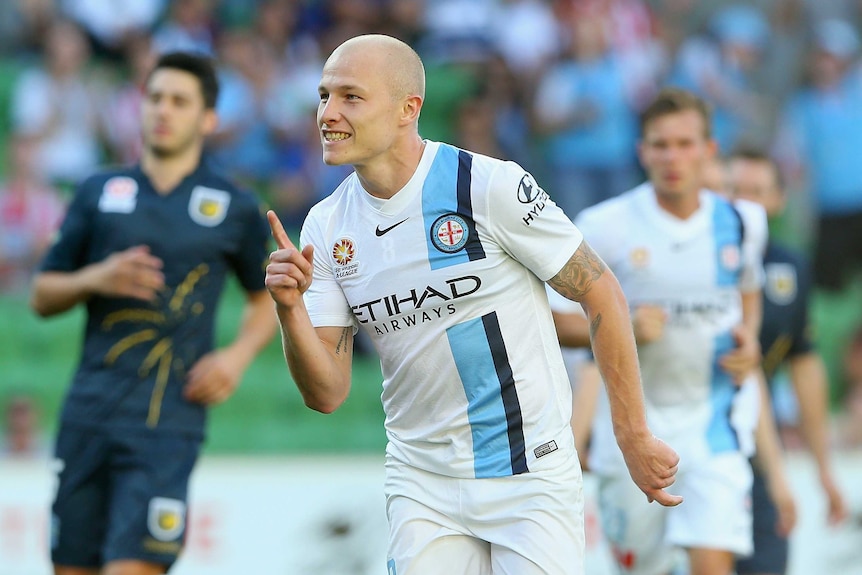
(410, 109)
(210, 122)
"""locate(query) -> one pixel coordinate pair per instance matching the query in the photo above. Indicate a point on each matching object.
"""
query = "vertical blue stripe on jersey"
(720, 435)
(493, 408)
(447, 190)
(727, 230)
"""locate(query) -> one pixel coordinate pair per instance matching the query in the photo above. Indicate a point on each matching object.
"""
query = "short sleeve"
(69, 250)
(324, 299)
(755, 234)
(250, 260)
(527, 224)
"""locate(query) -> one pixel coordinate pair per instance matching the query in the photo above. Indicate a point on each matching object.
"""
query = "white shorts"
(528, 524)
(715, 514)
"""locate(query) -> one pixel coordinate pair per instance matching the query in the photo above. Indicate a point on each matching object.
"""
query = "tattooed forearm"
(341, 346)
(594, 326)
(577, 276)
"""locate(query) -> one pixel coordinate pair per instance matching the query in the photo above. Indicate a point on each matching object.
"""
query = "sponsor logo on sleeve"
(531, 194)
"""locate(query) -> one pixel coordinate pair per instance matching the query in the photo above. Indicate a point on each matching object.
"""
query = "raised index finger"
(281, 238)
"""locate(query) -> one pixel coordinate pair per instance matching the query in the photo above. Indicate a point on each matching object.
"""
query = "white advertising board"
(285, 516)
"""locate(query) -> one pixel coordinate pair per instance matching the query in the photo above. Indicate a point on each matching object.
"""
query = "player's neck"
(681, 206)
(166, 172)
(391, 172)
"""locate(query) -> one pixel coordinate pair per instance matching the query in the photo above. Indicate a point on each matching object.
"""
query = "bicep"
(579, 274)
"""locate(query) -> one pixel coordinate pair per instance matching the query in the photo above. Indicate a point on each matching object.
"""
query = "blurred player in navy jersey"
(439, 255)
(785, 339)
(147, 250)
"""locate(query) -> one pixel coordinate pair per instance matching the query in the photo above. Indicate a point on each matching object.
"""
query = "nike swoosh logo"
(380, 232)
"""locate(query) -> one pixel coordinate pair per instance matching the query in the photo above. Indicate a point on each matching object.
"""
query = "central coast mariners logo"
(166, 519)
(208, 206)
(450, 233)
(780, 285)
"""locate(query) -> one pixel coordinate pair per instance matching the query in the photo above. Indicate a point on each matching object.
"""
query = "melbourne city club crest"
(449, 233)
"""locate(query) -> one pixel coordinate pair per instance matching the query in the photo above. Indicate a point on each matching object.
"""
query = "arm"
(745, 357)
(131, 273)
(573, 329)
(216, 375)
(584, 402)
(769, 461)
(319, 358)
(586, 279)
(808, 377)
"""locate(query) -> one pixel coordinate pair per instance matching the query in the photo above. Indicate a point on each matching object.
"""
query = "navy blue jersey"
(136, 354)
(786, 331)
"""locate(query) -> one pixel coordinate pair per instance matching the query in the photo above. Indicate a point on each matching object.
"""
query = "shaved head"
(404, 71)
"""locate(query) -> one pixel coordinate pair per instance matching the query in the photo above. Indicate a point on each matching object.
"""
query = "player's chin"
(332, 159)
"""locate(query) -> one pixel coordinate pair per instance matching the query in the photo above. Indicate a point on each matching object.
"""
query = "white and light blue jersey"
(446, 277)
(695, 269)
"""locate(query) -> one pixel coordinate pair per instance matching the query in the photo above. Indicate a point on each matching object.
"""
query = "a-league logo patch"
(639, 257)
(344, 255)
(119, 195)
(730, 257)
(449, 233)
(166, 518)
(208, 206)
(781, 284)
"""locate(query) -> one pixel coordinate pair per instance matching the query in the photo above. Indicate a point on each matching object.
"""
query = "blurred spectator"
(632, 35)
(262, 111)
(110, 24)
(405, 20)
(120, 114)
(22, 436)
(475, 127)
(530, 45)
(30, 212)
(585, 111)
(819, 142)
(715, 175)
(189, 27)
(719, 66)
(54, 104)
(23, 23)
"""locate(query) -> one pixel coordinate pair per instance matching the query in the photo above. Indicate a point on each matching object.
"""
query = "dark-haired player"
(147, 250)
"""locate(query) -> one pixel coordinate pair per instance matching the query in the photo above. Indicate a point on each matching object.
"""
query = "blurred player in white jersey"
(440, 255)
(689, 263)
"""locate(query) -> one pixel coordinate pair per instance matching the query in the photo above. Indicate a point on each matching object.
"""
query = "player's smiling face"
(357, 115)
(173, 115)
(674, 151)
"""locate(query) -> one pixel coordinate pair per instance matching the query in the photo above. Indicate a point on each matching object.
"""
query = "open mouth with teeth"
(335, 136)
